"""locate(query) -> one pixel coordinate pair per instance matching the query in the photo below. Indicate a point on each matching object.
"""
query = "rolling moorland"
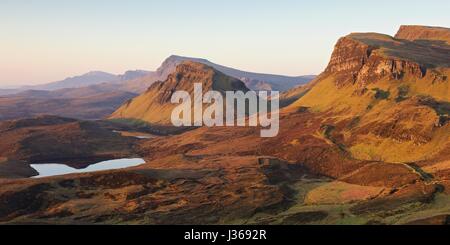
(366, 142)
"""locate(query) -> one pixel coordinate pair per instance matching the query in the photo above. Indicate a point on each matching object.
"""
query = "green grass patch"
(403, 91)
(381, 94)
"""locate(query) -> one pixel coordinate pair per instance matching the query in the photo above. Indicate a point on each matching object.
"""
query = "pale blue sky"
(47, 40)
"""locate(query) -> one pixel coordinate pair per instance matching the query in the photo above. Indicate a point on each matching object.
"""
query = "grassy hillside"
(389, 101)
(154, 105)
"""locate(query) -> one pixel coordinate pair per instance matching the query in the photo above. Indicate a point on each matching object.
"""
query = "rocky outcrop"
(348, 56)
(360, 59)
(376, 84)
(378, 67)
(365, 58)
(412, 33)
(188, 73)
(154, 106)
(254, 81)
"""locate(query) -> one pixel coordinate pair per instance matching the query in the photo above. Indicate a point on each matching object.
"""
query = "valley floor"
(231, 176)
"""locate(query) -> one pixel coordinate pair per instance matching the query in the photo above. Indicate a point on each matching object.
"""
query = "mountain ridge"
(125, 87)
(137, 81)
(154, 106)
(393, 90)
(270, 81)
(87, 79)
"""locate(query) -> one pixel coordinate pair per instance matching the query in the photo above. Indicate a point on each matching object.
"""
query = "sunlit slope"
(154, 106)
(388, 97)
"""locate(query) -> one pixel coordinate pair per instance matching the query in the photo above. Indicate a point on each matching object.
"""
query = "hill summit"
(393, 93)
(154, 105)
(413, 33)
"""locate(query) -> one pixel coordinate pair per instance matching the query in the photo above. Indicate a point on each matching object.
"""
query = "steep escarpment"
(368, 57)
(424, 33)
(361, 62)
(154, 106)
(389, 96)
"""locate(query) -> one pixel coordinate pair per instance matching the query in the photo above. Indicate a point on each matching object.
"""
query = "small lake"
(54, 169)
(144, 137)
(135, 134)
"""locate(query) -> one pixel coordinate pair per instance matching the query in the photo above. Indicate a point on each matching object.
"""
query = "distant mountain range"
(254, 81)
(93, 95)
(88, 79)
(85, 80)
(97, 94)
(138, 81)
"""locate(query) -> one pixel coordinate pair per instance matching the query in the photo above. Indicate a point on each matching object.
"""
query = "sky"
(48, 40)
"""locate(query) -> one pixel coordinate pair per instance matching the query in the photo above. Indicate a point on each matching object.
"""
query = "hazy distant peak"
(133, 74)
(137, 71)
(89, 79)
(97, 73)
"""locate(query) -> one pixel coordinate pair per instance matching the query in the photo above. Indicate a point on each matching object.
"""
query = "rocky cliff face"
(413, 33)
(416, 52)
(188, 73)
(389, 93)
(348, 56)
(362, 59)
